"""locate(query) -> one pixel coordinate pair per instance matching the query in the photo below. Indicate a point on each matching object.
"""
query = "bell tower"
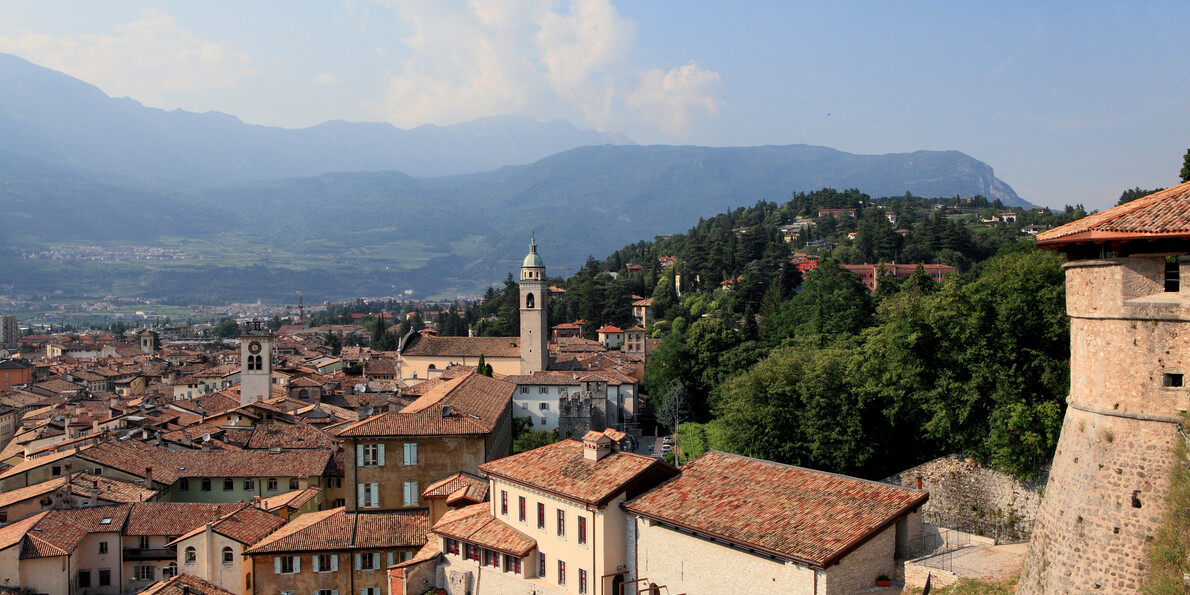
(534, 320)
(256, 362)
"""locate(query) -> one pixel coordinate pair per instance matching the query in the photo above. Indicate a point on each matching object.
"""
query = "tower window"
(1172, 274)
(529, 301)
(1171, 380)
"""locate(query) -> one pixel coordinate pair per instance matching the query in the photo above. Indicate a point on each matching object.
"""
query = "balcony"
(138, 554)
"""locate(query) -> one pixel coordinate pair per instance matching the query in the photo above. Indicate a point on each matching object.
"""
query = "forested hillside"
(819, 371)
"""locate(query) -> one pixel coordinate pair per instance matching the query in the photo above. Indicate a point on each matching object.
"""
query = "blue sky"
(1069, 102)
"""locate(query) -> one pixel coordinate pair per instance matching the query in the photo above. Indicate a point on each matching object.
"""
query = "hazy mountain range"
(435, 209)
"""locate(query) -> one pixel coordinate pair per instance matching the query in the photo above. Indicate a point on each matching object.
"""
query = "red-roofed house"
(757, 526)
(611, 336)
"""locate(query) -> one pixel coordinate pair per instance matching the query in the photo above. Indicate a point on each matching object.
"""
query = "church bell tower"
(256, 362)
(534, 319)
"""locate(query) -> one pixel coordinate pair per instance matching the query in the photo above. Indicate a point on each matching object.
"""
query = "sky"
(1069, 102)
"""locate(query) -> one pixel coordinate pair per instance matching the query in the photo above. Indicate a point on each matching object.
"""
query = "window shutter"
(390, 558)
(380, 454)
(358, 561)
(414, 457)
(414, 493)
(277, 565)
(297, 564)
(375, 560)
(315, 559)
(334, 562)
(359, 455)
(359, 489)
(375, 495)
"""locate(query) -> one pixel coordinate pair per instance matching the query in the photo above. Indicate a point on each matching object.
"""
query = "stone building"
(584, 408)
(1129, 353)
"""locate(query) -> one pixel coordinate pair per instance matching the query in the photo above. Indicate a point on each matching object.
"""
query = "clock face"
(254, 347)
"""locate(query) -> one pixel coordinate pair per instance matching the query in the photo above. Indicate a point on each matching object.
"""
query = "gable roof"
(335, 529)
(812, 517)
(458, 487)
(174, 518)
(476, 403)
(172, 465)
(427, 345)
(245, 524)
(561, 469)
(476, 524)
(184, 584)
(1162, 214)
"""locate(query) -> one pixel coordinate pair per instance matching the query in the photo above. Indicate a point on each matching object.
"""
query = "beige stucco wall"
(48, 575)
(89, 558)
(687, 564)
(209, 564)
(420, 364)
(217, 494)
(10, 564)
(463, 577)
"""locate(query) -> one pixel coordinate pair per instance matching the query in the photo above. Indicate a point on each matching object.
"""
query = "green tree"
(1185, 173)
(675, 407)
(226, 328)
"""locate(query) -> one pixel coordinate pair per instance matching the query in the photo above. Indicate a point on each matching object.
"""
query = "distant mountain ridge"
(55, 117)
(348, 209)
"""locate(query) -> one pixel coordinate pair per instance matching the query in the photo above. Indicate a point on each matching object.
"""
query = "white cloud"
(470, 59)
(326, 78)
(671, 100)
(146, 59)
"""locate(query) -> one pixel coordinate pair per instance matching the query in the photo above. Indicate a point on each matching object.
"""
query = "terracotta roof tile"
(458, 487)
(245, 524)
(184, 584)
(295, 499)
(476, 524)
(289, 436)
(1161, 214)
(421, 345)
(560, 468)
(174, 518)
(335, 529)
(476, 404)
(170, 465)
(800, 514)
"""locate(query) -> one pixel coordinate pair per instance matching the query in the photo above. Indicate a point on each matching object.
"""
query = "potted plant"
(883, 581)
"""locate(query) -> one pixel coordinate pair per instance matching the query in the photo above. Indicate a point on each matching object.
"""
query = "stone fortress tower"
(1129, 356)
(256, 362)
(534, 315)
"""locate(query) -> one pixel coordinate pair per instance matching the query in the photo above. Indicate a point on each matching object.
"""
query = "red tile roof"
(476, 524)
(421, 345)
(457, 488)
(245, 524)
(476, 403)
(336, 529)
(170, 465)
(174, 518)
(1163, 214)
(184, 584)
(610, 329)
(266, 436)
(799, 514)
(561, 469)
(295, 499)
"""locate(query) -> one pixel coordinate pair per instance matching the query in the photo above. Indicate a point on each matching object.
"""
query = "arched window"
(304, 394)
(431, 367)
(227, 555)
(191, 555)
(529, 301)
(170, 571)
(251, 363)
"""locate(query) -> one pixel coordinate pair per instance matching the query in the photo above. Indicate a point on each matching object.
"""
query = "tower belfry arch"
(534, 312)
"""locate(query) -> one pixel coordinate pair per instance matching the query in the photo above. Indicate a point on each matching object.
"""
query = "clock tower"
(535, 352)
(256, 362)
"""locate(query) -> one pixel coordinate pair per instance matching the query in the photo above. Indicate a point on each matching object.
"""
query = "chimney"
(596, 446)
(94, 500)
(149, 477)
(186, 441)
(917, 482)
(256, 501)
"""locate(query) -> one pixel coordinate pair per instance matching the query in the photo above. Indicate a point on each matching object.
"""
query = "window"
(543, 406)
(410, 453)
(367, 561)
(326, 592)
(540, 516)
(272, 484)
(1172, 380)
(326, 563)
(545, 390)
(561, 573)
(529, 301)
(490, 558)
(452, 547)
(582, 530)
(228, 485)
(504, 502)
(105, 577)
(293, 483)
(191, 555)
(304, 394)
(183, 485)
(370, 455)
(103, 547)
(287, 565)
(84, 578)
(582, 580)
(249, 485)
(541, 564)
(144, 542)
(228, 555)
(472, 553)
(3, 516)
(369, 495)
(144, 573)
(411, 493)
(248, 581)
(524, 390)
(56, 470)
(206, 485)
(170, 571)
(98, 470)
(521, 504)
(561, 523)
(512, 564)
(370, 591)
(1172, 274)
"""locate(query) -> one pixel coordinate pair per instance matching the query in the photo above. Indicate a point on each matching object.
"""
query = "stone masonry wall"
(968, 496)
